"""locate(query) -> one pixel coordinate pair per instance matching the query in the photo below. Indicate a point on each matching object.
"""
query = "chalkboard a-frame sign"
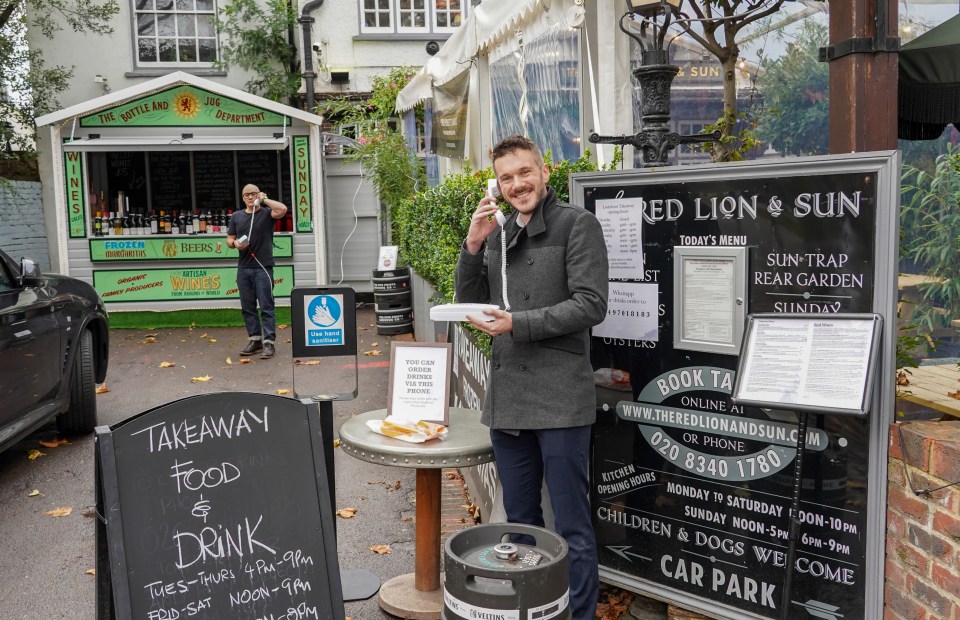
(215, 507)
(690, 490)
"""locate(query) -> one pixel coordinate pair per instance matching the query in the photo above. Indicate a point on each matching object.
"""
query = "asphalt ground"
(45, 560)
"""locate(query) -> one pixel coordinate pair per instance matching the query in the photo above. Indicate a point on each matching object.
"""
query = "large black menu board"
(127, 173)
(691, 492)
(215, 181)
(261, 168)
(170, 181)
(217, 507)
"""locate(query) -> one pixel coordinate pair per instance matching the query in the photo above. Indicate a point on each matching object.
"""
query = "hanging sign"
(301, 184)
(183, 106)
(76, 200)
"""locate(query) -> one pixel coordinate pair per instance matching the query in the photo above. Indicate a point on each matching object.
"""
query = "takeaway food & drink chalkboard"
(217, 506)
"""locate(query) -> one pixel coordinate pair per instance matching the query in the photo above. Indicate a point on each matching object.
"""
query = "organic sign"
(199, 247)
(183, 106)
(216, 507)
(123, 285)
(690, 491)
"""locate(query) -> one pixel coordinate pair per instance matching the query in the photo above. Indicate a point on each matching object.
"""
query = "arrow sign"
(623, 553)
(818, 609)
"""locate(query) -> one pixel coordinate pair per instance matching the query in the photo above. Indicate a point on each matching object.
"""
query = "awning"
(929, 83)
(177, 143)
(488, 23)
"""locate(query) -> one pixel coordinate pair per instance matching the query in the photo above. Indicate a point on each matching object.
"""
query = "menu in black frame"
(809, 362)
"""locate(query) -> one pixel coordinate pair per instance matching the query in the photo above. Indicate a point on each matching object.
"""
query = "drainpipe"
(306, 21)
(293, 48)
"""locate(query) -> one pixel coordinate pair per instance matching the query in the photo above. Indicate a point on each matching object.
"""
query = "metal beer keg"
(488, 576)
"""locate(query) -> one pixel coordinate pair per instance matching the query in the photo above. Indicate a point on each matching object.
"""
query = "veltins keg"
(487, 576)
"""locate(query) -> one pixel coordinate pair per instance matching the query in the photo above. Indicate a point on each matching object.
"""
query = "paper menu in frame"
(419, 386)
(622, 223)
(819, 363)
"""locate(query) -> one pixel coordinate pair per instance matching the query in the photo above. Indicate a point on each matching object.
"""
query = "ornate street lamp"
(655, 75)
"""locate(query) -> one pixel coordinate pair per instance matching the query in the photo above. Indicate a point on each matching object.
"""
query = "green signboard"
(183, 106)
(199, 247)
(76, 200)
(126, 285)
(301, 183)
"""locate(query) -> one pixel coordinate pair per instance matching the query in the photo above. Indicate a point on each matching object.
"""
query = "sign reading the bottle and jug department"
(125, 285)
(200, 247)
(183, 106)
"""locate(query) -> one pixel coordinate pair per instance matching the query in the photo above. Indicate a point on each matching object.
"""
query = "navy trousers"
(562, 457)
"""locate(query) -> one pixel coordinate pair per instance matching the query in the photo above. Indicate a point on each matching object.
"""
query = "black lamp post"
(655, 75)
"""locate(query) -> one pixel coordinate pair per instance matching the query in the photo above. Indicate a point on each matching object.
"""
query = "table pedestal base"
(400, 597)
(358, 584)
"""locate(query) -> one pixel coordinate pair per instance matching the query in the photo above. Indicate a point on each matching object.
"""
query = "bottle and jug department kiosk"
(148, 177)
(693, 471)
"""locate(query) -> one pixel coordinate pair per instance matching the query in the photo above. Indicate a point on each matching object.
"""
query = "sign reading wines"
(216, 507)
(691, 492)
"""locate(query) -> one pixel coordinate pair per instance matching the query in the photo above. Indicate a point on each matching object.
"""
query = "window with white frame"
(176, 32)
(411, 16)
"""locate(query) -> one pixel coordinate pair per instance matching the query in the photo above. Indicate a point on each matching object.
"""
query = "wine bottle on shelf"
(153, 222)
(201, 224)
(125, 228)
(162, 222)
(175, 222)
(96, 224)
(194, 226)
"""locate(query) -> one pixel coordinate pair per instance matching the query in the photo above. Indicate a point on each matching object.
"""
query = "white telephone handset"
(493, 190)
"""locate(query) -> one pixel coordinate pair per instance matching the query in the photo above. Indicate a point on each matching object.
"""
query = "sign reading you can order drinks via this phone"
(690, 491)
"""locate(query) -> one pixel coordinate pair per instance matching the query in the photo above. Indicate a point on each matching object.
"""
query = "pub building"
(151, 175)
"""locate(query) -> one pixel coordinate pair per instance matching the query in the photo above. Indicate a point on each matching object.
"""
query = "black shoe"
(252, 347)
(268, 351)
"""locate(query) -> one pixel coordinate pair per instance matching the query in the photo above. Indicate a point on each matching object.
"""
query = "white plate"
(459, 312)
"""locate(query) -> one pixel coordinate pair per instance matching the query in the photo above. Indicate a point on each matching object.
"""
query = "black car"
(53, 351)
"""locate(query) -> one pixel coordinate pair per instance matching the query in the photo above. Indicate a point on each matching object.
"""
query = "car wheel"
(81, 417)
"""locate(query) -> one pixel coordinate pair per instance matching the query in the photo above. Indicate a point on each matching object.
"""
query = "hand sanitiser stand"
(324, 324)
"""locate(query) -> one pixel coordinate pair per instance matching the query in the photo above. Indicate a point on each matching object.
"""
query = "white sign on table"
(420, 381)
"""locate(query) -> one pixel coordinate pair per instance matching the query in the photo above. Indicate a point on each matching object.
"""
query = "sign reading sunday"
(691, 492)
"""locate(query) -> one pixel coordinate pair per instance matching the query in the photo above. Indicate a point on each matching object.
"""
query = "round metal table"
(418, 594)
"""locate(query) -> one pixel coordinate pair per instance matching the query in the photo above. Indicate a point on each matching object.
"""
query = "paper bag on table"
(408, 430)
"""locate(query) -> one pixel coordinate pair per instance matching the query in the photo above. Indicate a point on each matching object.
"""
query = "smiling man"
(541, 402)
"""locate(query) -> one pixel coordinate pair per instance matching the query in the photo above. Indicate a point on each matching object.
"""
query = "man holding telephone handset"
(545, 266)
(251, 232)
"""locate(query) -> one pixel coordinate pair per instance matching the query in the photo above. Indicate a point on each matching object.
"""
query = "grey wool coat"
(557, 283)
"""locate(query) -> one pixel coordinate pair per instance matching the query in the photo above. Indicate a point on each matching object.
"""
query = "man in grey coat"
(541, 400)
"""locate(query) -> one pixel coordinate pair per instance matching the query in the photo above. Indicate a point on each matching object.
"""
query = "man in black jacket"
(541, 401)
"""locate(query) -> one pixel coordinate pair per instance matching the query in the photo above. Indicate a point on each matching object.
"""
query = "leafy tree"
(719, 23)
(395, 172)
(256, 40)
(28, 87)
(795, 88)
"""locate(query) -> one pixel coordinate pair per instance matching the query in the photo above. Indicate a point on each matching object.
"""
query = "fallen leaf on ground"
(245, 361)
(374, 344)
(34, 454)
(380, 549)
(230, 361)
(373, 353)
(167, 364)
(347, 513)
(336, 443)
(954, 394)
(307, 363)
(281, 327)
(211, 340)
(283, 391)
(407, 519)
(54, 443)
(202, 379)
(203, 335)
(102, 388)
(90, 571)
(63, 511)
(33, 493)
(149, 339)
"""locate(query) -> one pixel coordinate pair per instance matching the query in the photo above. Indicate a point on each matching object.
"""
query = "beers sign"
(181, 248)
(691, 492)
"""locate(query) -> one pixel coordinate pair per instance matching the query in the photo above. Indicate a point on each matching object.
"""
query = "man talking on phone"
(541, 400)
(251, 232)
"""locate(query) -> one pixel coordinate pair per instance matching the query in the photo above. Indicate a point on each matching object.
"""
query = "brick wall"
(923, 531)
(22, 232)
